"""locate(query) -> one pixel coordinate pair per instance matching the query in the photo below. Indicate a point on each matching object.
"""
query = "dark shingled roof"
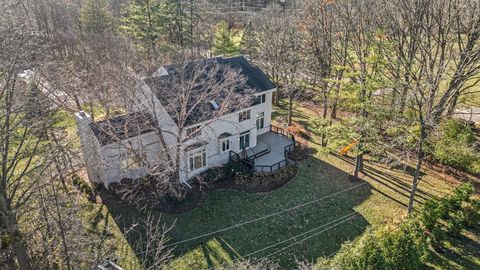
(123, 127)
(255, 81)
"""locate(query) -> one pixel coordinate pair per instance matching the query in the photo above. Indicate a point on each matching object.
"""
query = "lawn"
(380, 198)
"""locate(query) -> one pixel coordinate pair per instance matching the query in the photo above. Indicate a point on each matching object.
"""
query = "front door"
(244, 140)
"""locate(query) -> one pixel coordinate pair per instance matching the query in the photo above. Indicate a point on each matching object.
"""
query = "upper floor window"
(261, 98)
(131, 160)
(245, 115)
(192, 132)
(260, 120)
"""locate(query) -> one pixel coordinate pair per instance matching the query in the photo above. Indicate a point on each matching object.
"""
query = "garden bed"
(255, 183)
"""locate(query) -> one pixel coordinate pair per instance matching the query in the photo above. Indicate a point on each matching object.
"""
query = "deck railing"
(285, 133)
(274, 167)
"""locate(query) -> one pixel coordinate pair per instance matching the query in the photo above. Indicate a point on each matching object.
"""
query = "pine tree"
(176, 23)
(224, 44)
(144, 24)
(95, 18)
(249, 42)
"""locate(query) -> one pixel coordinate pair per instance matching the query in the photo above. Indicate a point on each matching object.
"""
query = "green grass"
(381, 201)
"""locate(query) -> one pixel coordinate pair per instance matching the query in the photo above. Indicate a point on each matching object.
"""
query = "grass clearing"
(382, 200)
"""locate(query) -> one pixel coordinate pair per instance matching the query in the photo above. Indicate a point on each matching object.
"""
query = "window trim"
(261, 98)
(193, 131)
(258, 117)
(229, 145)
(248, 115)
(239, 140)
(191, 159)
(130, 161)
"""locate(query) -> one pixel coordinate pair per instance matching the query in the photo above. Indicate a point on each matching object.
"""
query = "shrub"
(211, 175)
(233, 168)
(450, 214)
(82, 184)
(363, 253)
(404, 247)
(472, 213)
(453, 143)
(431, 213)
(407, 245)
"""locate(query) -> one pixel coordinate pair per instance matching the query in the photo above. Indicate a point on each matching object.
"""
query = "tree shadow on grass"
(389, 180)
(460, 252)
(318, 200)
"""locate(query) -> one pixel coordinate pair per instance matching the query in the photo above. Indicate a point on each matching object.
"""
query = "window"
(130, 161)
(244, 116)
(193, 132)
(260, 120)
(225, 145)
(198, 160)
(244, 140)
(261, 98)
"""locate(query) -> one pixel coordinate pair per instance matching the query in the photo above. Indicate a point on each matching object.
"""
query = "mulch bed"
(256, 188)
(199, 191)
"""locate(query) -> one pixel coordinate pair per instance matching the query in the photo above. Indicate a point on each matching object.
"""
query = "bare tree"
(279, 47)
(149, 237)
(325, 49)
(437, 46)
(22, 133)
(186, 94)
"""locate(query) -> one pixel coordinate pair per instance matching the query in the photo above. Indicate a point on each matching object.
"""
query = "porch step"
(259, 154)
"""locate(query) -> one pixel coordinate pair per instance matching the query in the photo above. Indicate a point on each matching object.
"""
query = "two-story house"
(207, 141)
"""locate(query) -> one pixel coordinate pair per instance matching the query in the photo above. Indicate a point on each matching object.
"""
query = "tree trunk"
(453, 104)
(333, 114)
(360, 165)
(416, 178)
(60, 222)
(290, 109)
(277, 98)
(393, 102)
(403, 97)
(21, 254)
(324, 115)
(357, 167)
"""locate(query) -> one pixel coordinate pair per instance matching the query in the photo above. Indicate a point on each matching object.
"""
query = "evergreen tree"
(95, 18)
(176, 23)
(249, 42)
(224, 44)
(143, 24)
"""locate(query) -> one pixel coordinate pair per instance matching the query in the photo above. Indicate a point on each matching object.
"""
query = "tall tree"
(249, 42)
(95, 17)
(224, 44)
(444, 36)
(143, 23)
(22, 133)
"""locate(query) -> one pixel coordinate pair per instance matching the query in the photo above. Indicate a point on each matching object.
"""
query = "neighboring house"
(210, 142)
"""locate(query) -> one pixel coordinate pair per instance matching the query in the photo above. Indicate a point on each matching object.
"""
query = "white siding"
(104, 162)
(146, 144)
(228, 124)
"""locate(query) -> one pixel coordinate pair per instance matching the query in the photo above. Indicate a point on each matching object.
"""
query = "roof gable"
(167, 86)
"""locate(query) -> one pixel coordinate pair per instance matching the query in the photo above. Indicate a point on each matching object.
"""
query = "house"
(114, 147)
